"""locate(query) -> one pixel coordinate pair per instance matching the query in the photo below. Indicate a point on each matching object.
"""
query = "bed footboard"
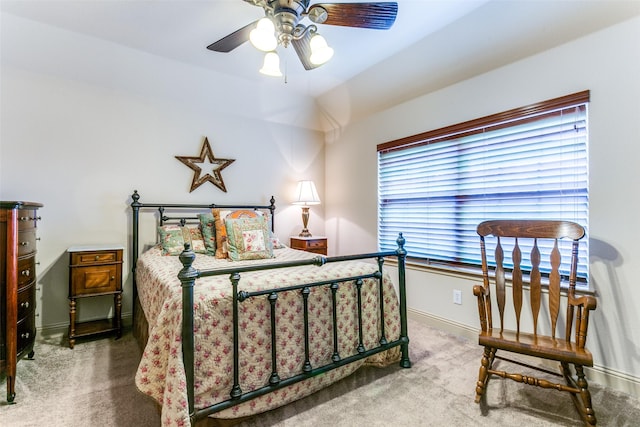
(188, 276)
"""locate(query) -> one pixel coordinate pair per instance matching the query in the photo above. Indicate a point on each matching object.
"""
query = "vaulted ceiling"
(431, 45)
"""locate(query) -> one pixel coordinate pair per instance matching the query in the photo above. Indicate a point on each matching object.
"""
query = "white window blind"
(529, 163)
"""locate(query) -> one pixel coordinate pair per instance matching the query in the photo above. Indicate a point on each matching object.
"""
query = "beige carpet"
(92, 385)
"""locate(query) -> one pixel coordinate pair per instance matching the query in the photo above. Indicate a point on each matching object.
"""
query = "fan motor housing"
(287, 14)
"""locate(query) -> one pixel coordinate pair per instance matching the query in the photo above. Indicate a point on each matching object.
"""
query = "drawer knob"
(25, 335)
(113, 277)
(25, 304)
(24, 243)
(97, 257)
(28, 218)
(25, 273)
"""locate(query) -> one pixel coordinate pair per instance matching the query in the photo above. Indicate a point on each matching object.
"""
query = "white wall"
(85, 122)
(608, 64)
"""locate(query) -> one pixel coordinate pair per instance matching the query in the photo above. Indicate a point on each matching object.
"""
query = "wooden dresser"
(18, 222)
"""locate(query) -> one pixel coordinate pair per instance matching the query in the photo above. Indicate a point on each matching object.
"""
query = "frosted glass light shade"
(271, 65)
(263, 36)
(306, 194)
(320, 51)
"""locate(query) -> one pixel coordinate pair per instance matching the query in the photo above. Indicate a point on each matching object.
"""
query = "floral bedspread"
(161, 373)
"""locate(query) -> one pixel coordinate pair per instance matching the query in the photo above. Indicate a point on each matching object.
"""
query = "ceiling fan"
(282, 25)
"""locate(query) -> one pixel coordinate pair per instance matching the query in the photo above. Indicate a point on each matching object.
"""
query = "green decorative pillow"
(248, 238)
(208, 228)
(219, 217)
(173, 238)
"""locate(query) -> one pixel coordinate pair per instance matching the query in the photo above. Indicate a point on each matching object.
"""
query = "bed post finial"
(272, 208)
(401, 241)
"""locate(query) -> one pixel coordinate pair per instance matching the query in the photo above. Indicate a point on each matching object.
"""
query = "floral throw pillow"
(275, 241)
(248, 238)
(173, 238)
(219, 217)
(208, 228)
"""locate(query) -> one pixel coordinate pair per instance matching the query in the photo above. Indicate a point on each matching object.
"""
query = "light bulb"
(271, 65)
(320, 51)
(263, 36)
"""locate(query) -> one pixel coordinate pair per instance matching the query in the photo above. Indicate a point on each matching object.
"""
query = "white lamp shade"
(306, 194)
(320, 51)
(271, 65)
(263, 36)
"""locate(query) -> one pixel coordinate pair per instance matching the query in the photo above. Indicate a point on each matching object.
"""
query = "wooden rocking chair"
(568, 349)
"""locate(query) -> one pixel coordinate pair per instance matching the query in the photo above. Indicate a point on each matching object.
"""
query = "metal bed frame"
(188, 276)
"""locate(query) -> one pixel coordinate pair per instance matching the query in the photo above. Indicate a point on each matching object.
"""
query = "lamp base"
(305, 221)
(304, 233)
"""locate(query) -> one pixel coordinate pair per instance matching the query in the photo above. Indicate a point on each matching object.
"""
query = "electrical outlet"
(457, 296)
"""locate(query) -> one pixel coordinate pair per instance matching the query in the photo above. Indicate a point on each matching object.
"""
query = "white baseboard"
(62, 328)
(597, 374)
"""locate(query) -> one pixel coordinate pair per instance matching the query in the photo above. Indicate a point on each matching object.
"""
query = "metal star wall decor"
(206, 161)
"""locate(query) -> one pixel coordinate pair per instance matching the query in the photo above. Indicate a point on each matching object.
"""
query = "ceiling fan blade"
(303, 49)
(233, 40)
(375, 15)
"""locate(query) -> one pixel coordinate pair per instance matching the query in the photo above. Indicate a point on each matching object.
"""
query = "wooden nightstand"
(95, 271)
(317, 245)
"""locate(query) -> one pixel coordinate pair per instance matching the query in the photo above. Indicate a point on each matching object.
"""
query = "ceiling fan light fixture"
(271, 65)
(320, 51)
(263, 36)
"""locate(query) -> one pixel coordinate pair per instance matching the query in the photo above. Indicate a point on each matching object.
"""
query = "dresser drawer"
(26, 333)
(26, 242)
(92, 258)
(27, 219)
(26, 271)
(26, 301)
(95, 279)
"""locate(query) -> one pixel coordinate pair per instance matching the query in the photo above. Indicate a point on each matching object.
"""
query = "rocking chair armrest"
(586, 301)
(484, 306)
(480, 291)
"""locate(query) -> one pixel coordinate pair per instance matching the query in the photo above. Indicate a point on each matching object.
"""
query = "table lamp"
(306, 195)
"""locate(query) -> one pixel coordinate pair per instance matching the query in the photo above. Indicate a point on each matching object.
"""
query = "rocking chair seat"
(536, 345)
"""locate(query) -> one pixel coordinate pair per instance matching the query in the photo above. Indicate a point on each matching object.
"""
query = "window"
(528, 163)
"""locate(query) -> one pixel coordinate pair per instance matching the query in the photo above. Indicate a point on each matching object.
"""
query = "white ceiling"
(181, 30)
(439, 42)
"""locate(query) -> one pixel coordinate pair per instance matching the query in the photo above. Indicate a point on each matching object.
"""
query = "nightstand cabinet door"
(95, 280)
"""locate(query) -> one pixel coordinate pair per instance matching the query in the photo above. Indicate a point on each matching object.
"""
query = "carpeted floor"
(92, 385)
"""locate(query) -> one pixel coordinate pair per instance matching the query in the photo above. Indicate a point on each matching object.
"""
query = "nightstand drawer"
(96, 279)
(317, 245)
(92, 258)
